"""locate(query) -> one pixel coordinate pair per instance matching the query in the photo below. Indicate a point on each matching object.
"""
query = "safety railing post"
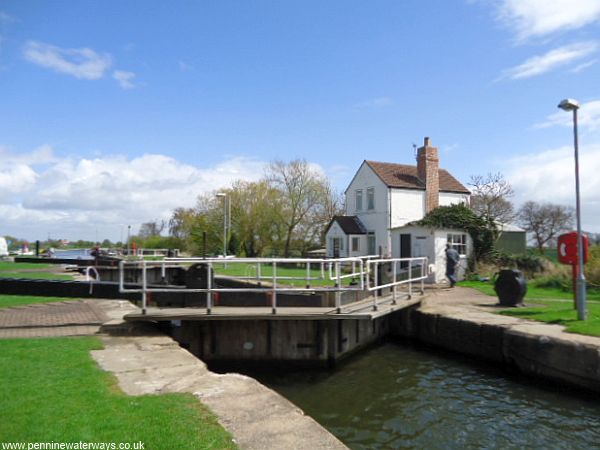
(274, 294)
(410, 278)
(362, 275)
(258, 275)
(375, 285)
(144, 287)
(163, 273)
(338, 285)
(209, 293)
(308, 275)
(394, 281)
(423, 264)
(121, 276)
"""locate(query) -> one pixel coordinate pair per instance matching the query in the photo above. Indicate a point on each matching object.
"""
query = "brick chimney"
(428, 166)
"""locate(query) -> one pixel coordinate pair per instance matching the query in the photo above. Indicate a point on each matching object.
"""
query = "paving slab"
(258, 417)
(62, 318)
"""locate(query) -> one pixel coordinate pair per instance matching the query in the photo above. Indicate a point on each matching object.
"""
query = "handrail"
(394, 281)
(359, 268)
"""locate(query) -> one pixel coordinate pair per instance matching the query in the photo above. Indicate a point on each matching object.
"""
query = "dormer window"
(370, 198)
(359, 202)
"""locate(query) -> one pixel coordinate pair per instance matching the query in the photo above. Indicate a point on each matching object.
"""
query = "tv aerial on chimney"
(414, 150)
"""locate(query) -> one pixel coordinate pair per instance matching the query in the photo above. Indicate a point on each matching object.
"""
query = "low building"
(413, 241)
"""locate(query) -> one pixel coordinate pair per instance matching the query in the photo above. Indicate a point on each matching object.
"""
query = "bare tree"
(545, 221)
(151, 229)
(302, 189)
(490, 197)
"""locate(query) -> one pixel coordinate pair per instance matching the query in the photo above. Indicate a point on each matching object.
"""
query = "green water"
(397, 396)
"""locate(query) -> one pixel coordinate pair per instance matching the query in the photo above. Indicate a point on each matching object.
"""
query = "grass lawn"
(533, 292)
(31, 271)
(52, 390)
(13, 266)
(561, 313)
(36, 275)
(551, 306)
(7, 301)
(249, 270)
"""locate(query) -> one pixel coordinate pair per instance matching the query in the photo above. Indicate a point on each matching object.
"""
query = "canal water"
(402, 396)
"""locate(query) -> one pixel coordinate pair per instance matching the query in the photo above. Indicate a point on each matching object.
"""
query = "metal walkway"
(365, 276)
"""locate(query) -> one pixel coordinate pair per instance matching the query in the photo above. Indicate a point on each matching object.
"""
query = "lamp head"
(568, 104)
(221, 194)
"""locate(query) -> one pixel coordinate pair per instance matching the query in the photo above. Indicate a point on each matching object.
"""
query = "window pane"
(371, 198)
(359, 200)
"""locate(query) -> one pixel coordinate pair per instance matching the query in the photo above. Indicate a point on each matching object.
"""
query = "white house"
(383, 198)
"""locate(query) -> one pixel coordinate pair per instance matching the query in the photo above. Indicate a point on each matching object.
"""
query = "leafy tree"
(181, 221)
(490, 196)
(545, 221)
(256, 213)
(302, 190)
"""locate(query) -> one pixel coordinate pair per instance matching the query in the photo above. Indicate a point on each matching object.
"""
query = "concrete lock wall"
(560, 360)
(317, 343)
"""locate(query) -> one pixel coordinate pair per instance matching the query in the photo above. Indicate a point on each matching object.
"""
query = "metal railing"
(331, 276)
(391, 268)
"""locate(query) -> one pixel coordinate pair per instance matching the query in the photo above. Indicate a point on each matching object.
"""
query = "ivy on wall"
(460, 217)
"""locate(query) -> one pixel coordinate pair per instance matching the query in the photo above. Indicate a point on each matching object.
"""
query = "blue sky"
(116, 112)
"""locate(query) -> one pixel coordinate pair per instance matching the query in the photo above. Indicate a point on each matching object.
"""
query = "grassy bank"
(52, 390)
(550, 305)
(533, 291)
(7, 301)
(32, 271)
(266, 270)
(561, 313)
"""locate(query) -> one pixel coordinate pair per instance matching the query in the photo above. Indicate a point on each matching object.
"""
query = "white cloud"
(581, 67)
(125, 79)
(539, 18)
(549, 176)
(375, 103)
(83, 63)
(551, 60)
(40, 192)
(588, 118)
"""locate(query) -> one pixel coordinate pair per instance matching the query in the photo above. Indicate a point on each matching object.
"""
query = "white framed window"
(458, 241)
(358, 197)
(356, 244)
(370, 198)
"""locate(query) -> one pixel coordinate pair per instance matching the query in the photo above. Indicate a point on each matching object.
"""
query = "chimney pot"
(426, 142)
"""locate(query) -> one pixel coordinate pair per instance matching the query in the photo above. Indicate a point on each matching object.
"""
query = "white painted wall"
(431, 243)
(407, 206)
(335, 231)
(376, 220)
(450, 198)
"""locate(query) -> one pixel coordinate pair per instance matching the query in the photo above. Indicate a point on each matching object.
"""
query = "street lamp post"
(128, 241)
(573, 105)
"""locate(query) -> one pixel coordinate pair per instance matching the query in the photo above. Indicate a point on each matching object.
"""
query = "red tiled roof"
(405, 176)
